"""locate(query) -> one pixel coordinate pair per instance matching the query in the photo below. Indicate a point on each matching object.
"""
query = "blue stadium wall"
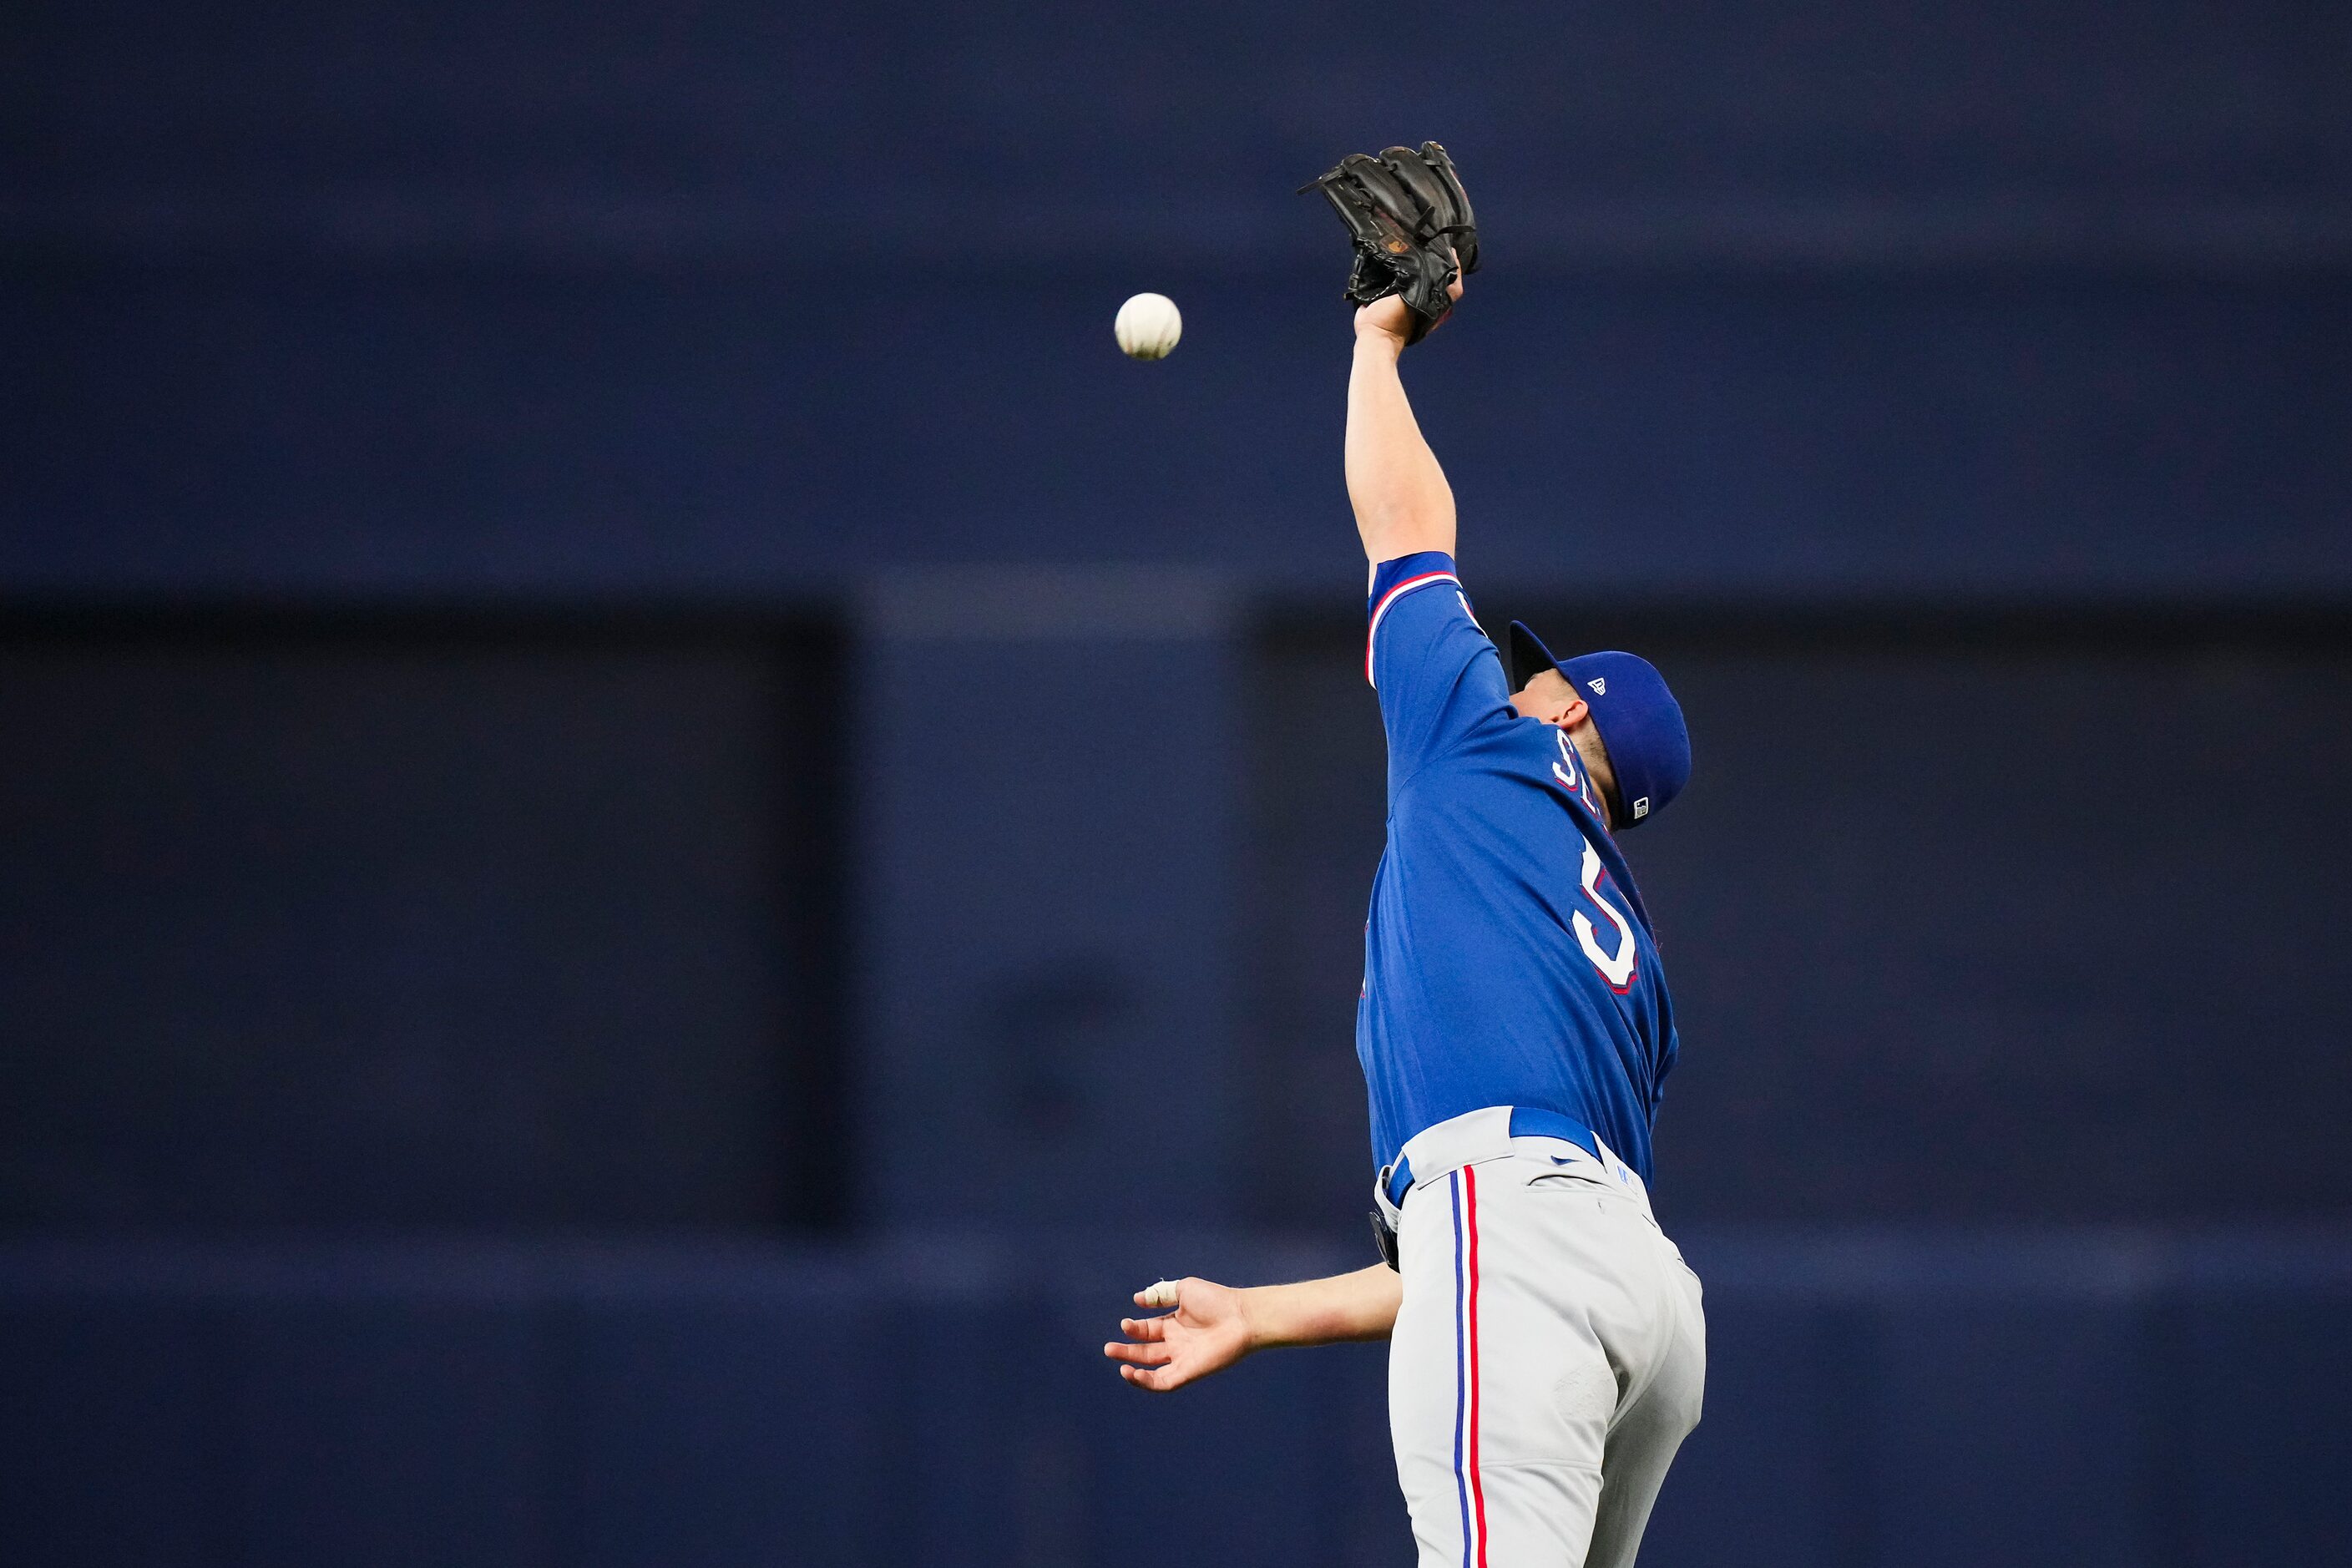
(623, 723)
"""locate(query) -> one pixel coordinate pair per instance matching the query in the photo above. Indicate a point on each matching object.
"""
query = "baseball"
(1147, 326)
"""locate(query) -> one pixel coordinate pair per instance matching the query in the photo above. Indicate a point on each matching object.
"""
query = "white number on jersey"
(1617, 968)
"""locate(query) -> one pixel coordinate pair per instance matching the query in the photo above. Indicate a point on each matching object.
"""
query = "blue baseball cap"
(1638, 718)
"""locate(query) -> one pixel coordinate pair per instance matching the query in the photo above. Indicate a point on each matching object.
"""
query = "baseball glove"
(1411, 224)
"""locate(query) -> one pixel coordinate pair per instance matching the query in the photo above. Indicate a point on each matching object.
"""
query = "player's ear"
(1577, 710)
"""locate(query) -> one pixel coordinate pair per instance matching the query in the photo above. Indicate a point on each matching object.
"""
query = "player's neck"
(1586, 738)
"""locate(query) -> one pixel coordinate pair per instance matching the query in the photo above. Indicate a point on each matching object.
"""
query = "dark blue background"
(661, 827)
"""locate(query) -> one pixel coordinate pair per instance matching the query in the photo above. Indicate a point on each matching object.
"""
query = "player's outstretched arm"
(1214, 1325)
(1402, 502)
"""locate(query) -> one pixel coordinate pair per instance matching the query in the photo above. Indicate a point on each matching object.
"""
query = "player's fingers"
(1144, 1328)
(1164, 1293)
(1139, 1355)
(1159, 1380)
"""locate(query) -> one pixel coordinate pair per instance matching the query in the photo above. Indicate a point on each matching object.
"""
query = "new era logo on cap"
(1600, 686)
(1641, 808)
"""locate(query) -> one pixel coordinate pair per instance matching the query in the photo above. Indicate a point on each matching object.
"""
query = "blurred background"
(659, 827)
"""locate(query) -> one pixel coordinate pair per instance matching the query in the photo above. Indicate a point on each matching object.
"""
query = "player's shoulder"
(1493, 748)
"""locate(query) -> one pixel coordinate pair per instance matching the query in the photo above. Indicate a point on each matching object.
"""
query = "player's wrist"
(1250, 1305)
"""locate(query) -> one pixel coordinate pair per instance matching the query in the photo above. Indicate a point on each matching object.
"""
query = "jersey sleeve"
(1437, 673)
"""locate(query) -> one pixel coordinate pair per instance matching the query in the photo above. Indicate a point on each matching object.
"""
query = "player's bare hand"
(1208, 1332)
(1389, 319)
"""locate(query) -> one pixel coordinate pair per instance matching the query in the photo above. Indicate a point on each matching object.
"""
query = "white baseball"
(1147, 326)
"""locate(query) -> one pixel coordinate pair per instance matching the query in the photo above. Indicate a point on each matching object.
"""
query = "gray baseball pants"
(1549, 1354)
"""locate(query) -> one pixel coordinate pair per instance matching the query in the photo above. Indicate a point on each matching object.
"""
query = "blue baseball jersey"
(1509, 960)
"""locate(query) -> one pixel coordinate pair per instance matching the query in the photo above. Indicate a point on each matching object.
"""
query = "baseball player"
(1547, 1345)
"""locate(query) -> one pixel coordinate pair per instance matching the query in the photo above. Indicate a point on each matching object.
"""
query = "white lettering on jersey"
(1616, 968)
(1566, 776)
